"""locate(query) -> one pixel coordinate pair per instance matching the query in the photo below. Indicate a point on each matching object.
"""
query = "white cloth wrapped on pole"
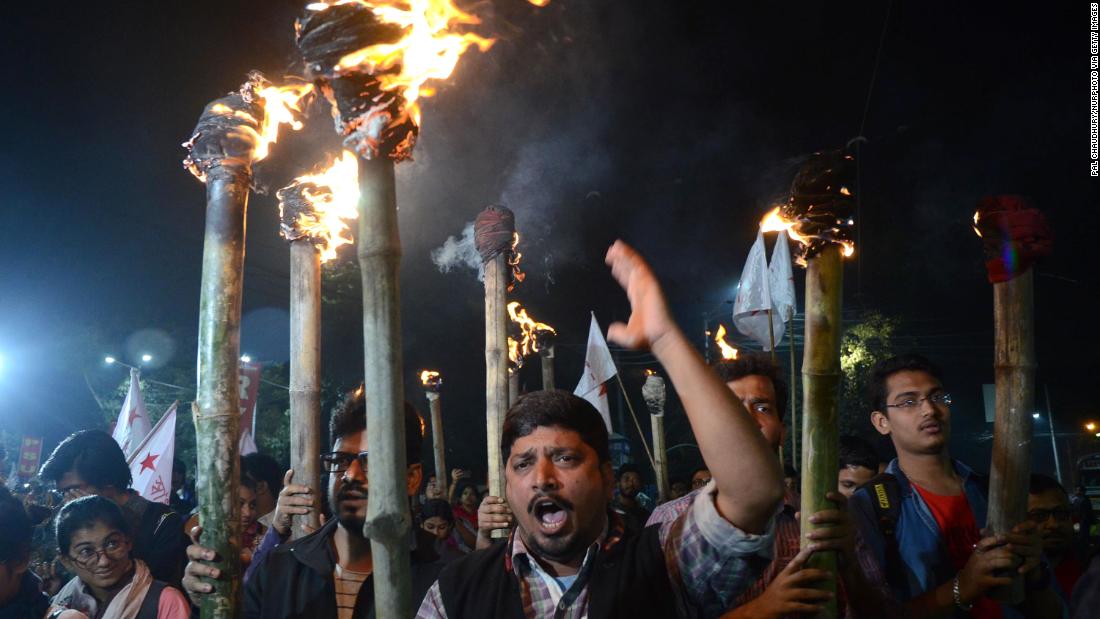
(781, 285)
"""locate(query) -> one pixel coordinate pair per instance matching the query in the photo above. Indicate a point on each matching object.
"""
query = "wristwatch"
(958, 596)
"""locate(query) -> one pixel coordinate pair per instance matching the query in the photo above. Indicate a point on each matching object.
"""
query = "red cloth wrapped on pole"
(1014, 234)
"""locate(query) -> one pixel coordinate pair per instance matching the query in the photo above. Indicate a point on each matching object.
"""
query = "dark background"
(673, 125)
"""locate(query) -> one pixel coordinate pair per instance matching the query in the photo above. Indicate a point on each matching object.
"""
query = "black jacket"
(629, 580)
(159, 539)
(29, 602)
(296, 579)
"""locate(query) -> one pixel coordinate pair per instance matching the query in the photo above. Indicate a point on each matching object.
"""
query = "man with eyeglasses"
(920, 522)
(1049, 508)
(327, 574)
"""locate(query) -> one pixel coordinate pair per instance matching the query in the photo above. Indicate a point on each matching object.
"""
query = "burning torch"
(819, 216)
(433, 383)
(313, 210)
(653, 392)
(495, 238)
(1014, 234)
(232, 134)
(371, 59)
(535, 337)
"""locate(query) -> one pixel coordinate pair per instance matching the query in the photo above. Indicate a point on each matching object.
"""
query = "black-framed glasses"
(942, 398)
(87, 556)
(340, 461)
(1039, 516)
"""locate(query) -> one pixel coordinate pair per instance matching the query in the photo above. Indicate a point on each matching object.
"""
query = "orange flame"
(649, 372)
(529, 327)
(539, 3)
(282, 104)
(429, 50)
(431, 379)
(977, 216)
(513, 261)
(728, 351)
(774, 222)
(514, 355)
(332, 205)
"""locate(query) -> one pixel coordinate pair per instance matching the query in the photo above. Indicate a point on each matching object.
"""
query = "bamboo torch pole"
(433, 384)
(1009, 226)
(513, 386)
(388, 520)
(821, 384)
(546, 356)
(653, 392)
(221, 154)
(305, 348)
(381, 130)
(494, 231)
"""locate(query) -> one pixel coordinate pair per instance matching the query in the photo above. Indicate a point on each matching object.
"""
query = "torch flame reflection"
(774, 222)
(429, 49)
(728, 351)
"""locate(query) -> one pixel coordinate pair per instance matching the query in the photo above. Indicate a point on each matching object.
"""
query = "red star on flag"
(150, 462)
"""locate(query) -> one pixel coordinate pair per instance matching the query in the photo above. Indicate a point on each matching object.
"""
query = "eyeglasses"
(942, 399)
(340, 461)
(74, 491)
(87, 556)
(1039, 516)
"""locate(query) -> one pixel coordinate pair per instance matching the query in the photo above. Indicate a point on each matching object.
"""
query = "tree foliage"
(865, 343)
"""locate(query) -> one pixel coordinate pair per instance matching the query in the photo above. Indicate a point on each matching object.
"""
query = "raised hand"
(649, 316)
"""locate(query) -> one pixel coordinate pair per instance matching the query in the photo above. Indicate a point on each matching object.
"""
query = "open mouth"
(550, 515)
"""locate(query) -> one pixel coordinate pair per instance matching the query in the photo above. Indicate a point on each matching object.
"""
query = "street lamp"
(246, 358)
(1034, 415)
(146, 358)
(109, 360)
(1090, 426)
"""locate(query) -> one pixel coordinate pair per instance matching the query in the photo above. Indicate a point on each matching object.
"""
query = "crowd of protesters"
(582, 539)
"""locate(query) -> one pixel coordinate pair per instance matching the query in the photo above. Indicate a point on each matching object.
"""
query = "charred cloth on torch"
(227, 131)
(1014, 234)
(374, 122)
(495, 234)
(295, 207)
(822, 201)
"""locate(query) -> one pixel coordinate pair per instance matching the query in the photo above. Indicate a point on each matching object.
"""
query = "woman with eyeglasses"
(95, 544)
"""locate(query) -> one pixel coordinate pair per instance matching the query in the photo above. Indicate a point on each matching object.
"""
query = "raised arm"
(746, 472)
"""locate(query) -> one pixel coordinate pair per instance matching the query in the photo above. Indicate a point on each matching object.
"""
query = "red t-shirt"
(1067, 574)
(960, 534)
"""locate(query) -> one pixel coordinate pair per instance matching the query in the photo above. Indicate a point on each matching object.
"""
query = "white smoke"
(459, 253)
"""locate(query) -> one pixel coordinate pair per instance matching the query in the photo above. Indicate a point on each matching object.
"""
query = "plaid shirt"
(708, 559)
(787, 537)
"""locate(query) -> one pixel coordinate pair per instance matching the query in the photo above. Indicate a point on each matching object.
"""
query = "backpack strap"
(886, 502)
(150, 605)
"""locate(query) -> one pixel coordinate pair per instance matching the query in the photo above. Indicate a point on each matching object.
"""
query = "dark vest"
(628, 580)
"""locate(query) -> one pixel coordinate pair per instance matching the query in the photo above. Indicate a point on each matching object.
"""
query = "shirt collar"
(517, 554)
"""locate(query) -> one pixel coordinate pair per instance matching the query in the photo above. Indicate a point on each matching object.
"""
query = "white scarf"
(125, 605)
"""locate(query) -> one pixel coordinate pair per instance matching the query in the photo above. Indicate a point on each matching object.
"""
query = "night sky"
(673, 125)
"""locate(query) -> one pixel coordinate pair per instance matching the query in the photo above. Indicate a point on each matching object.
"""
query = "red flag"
(151, 462)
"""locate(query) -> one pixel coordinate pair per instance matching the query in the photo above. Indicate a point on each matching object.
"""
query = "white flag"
(133, 421)
(751, 309)
(598, 369)
(151, 462)
(247, 443)
(781, 286)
